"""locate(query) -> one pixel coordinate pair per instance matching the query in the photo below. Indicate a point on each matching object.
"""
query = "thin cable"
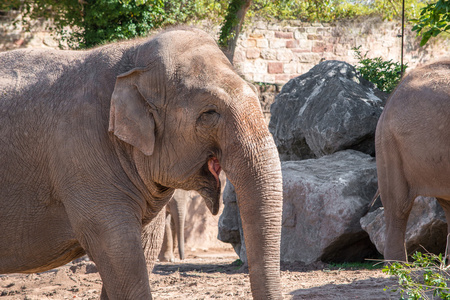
(403, 35)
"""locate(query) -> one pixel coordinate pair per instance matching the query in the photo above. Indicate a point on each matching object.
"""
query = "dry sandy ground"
(203, 275)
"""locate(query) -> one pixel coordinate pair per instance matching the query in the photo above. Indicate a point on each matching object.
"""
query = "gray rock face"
(329, 109)
(426, 229)
(323, 202)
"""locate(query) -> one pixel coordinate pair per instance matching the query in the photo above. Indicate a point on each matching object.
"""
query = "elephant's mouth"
(210, 191)
(215, 168)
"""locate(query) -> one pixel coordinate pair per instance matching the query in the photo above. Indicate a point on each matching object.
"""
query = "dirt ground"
(203, 275)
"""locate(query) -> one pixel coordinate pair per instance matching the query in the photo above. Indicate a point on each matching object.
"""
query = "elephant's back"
(420, 102)
(415, 123)
(26, 72)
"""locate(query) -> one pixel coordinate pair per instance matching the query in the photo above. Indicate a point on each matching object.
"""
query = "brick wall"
(276, 52)
(13, 37)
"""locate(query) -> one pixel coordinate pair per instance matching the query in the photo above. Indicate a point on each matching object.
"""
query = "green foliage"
(332, 10)
(109, 20)
(384, 74)
(237, 263)
(434, 19)
(427, 274)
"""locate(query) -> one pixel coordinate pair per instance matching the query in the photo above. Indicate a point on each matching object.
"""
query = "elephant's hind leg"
(397, 200)
(397, 208)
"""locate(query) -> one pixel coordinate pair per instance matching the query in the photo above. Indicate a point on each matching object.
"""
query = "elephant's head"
(188, 115)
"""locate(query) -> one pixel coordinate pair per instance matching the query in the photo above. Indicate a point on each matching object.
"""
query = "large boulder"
(328, 109)
(426, 230)
(324, 200)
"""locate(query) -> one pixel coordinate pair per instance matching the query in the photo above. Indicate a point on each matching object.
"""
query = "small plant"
(427, 275)
(237, 263)
(384, 74)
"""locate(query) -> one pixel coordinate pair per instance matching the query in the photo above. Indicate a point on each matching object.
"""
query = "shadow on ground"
(368, 289)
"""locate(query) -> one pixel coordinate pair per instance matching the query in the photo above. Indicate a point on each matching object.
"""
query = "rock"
(329, 109)
(324, 200)
(426, 230)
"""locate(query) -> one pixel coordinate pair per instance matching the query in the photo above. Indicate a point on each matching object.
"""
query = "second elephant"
(412, 150)
(174, 226)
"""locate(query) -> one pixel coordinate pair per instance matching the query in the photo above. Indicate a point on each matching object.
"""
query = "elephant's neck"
(151, 196)
(156, 203)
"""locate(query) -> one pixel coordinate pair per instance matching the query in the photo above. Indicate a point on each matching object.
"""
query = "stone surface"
(426, 229)
(329, 109)
(275, 67)
(324, 200)
(317, 42)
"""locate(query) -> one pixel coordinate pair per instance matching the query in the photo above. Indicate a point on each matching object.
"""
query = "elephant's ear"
(130, 118)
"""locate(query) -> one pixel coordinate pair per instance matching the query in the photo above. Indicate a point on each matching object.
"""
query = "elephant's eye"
(208, 118)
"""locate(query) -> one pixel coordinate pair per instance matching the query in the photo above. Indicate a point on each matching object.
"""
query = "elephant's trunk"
(180, 220)
(252, 165)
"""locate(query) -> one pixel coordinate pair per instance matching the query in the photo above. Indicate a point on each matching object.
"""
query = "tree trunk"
(232, 26)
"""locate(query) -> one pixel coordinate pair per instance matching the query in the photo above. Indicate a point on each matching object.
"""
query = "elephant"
(94, 143)
(174, 227)
(412, 150)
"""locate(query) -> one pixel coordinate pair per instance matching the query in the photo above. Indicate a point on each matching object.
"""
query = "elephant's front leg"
(114, 244)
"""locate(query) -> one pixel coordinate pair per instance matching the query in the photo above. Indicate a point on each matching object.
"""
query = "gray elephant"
(412, 150)
(174, 226)
(94, 143)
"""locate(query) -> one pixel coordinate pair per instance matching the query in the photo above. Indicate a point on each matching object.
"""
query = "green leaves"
(111, 20)
(434, 19)
(384, 74)
(332, 10)
(426, 275)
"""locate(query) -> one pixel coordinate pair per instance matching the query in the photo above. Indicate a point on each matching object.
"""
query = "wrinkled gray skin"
(412, 150)
(174, 227)
(93, 144)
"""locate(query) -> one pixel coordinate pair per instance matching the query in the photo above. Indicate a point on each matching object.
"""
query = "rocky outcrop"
(329, 109)
(324, 200)
(426, 230)
(330, 114)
